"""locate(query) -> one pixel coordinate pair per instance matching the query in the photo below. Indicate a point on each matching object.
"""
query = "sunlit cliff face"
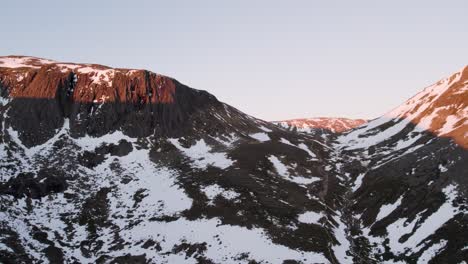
(30, 77)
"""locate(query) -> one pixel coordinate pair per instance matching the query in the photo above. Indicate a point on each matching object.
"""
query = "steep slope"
(307, 125)
(408, 178)
(104, 165)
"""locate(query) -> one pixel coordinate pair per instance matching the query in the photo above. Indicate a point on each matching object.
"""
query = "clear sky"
(271, 59)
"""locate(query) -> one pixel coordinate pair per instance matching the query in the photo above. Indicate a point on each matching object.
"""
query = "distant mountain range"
(332, 124)
(106, 165)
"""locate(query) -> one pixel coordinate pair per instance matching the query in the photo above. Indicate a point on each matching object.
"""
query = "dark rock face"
(91, 159)
(95, 211)
(35, 186)
(137, 102)
(418, 182)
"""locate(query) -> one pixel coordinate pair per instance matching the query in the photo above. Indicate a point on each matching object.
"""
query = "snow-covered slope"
(308, 125)
(407, 173)
(103, 165)
(157, 172)
(441, 109)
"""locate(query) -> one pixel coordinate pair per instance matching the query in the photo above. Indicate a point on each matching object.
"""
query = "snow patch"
(431, 252)
(358, 182)
(282, 170)
(430, 225)
(262, 137)
(344, 244)
(304, 147)
(265, 129)
(201, 155)
(214, 190)
(310, 217)
(387, 209)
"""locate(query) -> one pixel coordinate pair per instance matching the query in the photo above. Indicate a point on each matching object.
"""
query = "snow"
(387, 209)
(419, 230)
(446, 212)
(303, 181)
(354, 141)
(20, 78)
(4, 101)
(90, 143)
(159, 183)
(344, 244)
(262, 137)
(450, 123)
(301, 146)
(358, 182)
(401, 144)
(102, 99)
(287, 142)
(235, 240)
(202, 156)
(442, 168)
(310, 217)
(431, 252)
(304, 147)
(4, 247)
(279, 166)
(430, 225)
(214, 190)
(403, 116)
(282, 170)
(308, 125)
(98, 76)
(399, 228)
(227, 140)
(265, 129)
(162, 197)
(20, 62)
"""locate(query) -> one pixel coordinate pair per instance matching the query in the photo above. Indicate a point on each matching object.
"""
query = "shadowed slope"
(407, 174)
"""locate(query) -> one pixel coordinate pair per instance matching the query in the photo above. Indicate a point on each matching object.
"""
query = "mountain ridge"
(332, 124)
(133, 181)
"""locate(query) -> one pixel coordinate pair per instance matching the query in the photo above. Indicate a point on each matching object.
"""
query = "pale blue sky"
(271, 59)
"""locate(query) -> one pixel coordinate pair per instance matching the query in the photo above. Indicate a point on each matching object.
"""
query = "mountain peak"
(18, 61)
(440, 109)
(89, 81)
(96, 99)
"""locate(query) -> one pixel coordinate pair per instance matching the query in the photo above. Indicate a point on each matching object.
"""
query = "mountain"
(307, 125)
(407, 172)
(108, 165)
(129, 166)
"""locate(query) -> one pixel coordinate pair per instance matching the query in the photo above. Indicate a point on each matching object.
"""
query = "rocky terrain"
(408, 170)
(320, 124)
(104, 165)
